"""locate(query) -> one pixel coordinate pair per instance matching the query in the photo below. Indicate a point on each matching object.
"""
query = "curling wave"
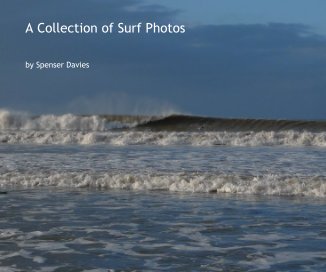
(183, 182)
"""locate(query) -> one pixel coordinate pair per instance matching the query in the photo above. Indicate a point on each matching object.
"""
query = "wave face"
(195, 123)
(22, 128)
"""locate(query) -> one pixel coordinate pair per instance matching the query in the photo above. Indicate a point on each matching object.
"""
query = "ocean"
(150, 193)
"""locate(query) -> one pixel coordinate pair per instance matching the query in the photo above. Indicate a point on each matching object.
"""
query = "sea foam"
(268, 184)
(164, 138)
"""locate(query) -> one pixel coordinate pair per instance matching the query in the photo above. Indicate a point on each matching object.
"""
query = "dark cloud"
(273, 71)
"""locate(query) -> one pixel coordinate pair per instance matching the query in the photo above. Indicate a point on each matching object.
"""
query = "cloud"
(261, 70)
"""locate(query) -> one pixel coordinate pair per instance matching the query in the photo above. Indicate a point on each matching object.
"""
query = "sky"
(244, 59)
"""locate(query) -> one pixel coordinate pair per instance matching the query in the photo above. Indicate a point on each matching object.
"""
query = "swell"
(195, 123)
(183, 182)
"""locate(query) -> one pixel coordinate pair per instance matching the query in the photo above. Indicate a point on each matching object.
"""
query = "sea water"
(118, 193)
(154, 208)
(288, 171)
(93, 230)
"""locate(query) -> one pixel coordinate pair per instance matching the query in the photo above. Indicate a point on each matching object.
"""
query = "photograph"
(172, 135)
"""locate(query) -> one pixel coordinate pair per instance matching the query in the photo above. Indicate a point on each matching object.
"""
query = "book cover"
(142, 135)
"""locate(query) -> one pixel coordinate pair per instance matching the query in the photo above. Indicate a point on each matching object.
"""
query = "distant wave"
(183, 182)
(21, 128)
(195, 123)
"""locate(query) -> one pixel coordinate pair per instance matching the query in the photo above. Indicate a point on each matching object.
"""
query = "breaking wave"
(21, 128)
(199, 183)
(12, 120)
